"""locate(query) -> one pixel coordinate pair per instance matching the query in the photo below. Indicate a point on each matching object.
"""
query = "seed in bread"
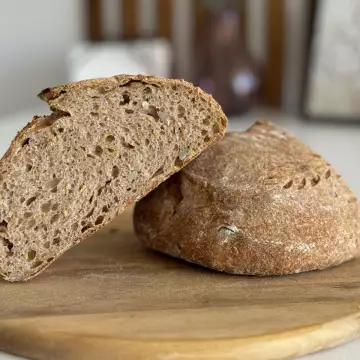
(260, 202)
(107, 143)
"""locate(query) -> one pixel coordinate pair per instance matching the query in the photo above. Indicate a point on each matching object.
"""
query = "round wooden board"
(109, 298)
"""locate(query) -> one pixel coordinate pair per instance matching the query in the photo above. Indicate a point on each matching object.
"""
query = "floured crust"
(258, 203)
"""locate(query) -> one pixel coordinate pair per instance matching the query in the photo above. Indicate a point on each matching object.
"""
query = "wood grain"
(110, 298)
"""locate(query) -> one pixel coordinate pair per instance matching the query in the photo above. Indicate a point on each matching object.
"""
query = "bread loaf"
(260, 202)
(107, 143)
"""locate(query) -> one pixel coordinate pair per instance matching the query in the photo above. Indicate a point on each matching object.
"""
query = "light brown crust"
(258, 203)
(52, 97)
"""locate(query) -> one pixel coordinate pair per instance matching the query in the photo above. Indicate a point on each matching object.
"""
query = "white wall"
(35, 37)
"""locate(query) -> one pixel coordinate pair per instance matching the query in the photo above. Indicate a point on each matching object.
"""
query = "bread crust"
(53, 97)
(258, 203)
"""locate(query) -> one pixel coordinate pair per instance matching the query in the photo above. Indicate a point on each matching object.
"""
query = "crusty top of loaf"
(263, 155)
(260, 202)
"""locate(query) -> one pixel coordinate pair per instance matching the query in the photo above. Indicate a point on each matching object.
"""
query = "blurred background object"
(333, 89)
(224, 66)
(245, 52)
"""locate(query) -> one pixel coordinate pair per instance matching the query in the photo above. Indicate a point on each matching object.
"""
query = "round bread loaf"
(260, 202)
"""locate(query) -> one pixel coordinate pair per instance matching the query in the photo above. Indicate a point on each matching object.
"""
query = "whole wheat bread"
(259, 203)
(107, 143)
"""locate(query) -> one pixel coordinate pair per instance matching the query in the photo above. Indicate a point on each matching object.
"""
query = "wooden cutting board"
(109, 298)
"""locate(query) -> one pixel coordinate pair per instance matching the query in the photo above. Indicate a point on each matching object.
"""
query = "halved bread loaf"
(260, 202)
(107, 143)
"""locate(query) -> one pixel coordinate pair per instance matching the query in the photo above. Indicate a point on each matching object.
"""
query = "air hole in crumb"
(288, 185)
(116, 199)
(45, 207)
(134, 103)
(158, 172)
(152, 111)
(61, 130)
(99, 220)
(56, 241)
(206, 121)
(126, 144)
(85, 228)
(91, 198)
(25, 142)
(147, 91)
(36, 264)
(98, 150)
(30, 255)
(125, 129)
(50, 259)
(110, 150)
(207, 138)
(203, 132)
(74, 226)
(31, 200)
(110, 138)
(53, 183)
(7, 243)
(147, 142)
(115, 172)
(90, 156)
(28, 215)
(327, 174)
(125, 100)
(46, 245)
(94, 114)
(179, 163)
(54, 218)
(28, 167)
(90, 213)
(129, 111)
(315, 180)
(105, 209)
(181, 111)
(216, 128)
(55, 207)
(3, 224)
(104, 89)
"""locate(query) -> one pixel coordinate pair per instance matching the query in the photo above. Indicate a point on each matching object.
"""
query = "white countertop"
(338, 143)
